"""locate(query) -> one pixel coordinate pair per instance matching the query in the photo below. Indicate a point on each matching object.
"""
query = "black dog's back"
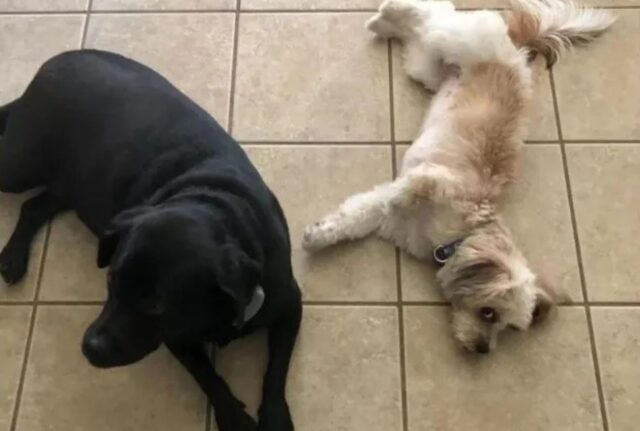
(100, 158)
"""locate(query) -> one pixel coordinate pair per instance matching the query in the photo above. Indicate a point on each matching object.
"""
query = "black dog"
(198, 246)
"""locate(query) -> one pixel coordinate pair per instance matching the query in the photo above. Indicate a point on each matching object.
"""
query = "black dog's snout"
(482, 347)
(97, 349)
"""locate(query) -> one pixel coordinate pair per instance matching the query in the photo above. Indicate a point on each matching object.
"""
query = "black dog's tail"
(4, 115)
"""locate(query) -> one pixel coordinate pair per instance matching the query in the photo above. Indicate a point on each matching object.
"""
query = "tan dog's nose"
(482, 347)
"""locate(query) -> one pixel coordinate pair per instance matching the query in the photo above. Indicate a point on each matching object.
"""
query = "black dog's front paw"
(13, 264)
(275, 418)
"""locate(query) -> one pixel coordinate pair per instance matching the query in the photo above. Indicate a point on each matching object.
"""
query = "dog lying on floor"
(198, 246)
(444, 202)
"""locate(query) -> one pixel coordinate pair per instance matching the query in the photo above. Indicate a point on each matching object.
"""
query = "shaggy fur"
(466, 153)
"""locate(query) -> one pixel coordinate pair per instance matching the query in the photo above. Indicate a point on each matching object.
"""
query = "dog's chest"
(418, 229)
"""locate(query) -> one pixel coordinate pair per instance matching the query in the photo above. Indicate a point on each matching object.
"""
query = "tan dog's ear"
(546, 299)
(544, 305)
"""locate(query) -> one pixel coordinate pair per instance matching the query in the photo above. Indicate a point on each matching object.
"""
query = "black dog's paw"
(275, 417)
(237, 421)
(13, 265)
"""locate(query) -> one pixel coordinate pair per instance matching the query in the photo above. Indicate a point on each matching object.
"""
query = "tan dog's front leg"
(357, 217)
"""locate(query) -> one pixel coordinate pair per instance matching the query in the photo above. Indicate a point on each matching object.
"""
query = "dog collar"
(255, 304)
(443, 252)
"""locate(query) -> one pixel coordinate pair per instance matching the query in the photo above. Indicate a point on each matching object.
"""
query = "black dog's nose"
(96, 349)
(482, 347)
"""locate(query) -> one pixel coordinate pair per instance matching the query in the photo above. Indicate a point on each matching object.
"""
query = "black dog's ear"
(111, 237)
(237, 275)
(106, 248)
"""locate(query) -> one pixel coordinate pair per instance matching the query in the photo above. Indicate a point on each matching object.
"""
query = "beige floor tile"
(411, 103)
(610, 3)
(30, 41)
(536, 209)
(70, 268)
(193, 51)
(354, 4)
(527, 384)
(14, 326)
(162, 4)
(9, 211)
(418, 280)
(604, 180)
(597, 98)
(481, 4)
(42, 5)
(304, 77)
(310, 181)
(243, 364)
(311, 4)
(63, 392)
(345, 372)
(618, 344)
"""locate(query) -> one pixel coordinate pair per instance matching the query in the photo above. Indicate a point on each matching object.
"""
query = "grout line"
(601, 141)
(317, 143)
(248, 11)
(527, 141)
(328, 303)
(401, 341)
(284, 142)
(85, 28)
(309, 11)
(541, 142)
(234, 68)
(583, 283)
(394, 169)
(351, 303)
(392, 115)
(187, 11)
(82, 303)
(42, 12)
(613, 304)
(23, 370)
(115, 12)
(32, 324)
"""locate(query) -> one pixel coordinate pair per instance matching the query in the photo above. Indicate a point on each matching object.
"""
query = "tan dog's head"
(491, 287)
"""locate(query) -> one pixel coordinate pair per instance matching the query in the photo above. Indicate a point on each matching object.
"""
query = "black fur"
(186, 224)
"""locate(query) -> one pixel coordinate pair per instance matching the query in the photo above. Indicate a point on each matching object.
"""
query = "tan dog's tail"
(550, 27)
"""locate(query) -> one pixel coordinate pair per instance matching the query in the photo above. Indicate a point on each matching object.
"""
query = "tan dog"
(444, 201)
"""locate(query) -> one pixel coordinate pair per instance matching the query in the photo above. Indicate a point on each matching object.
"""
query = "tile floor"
(324, 111)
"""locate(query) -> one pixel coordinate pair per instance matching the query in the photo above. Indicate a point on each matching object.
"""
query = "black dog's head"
(171, 277)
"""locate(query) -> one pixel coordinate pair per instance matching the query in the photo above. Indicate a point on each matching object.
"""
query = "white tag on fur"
(255, 304)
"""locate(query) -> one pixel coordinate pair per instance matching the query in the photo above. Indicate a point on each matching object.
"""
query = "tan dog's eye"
(488, 314)
(536, 313)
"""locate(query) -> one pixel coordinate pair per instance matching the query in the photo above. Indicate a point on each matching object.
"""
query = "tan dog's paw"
(311, 235)
(318, 235)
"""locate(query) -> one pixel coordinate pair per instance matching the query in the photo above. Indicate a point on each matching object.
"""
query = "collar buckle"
(443, 252)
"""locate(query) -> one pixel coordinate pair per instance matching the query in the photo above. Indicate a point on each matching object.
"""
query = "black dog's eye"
(488, 314)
